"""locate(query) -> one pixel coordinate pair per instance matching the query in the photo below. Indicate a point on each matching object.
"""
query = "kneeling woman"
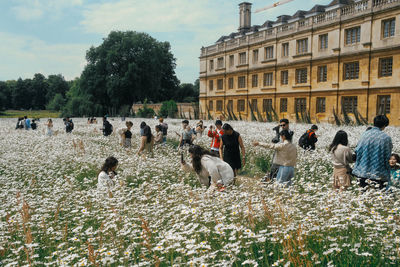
(106, 179)
(211, 170)
(286, 157)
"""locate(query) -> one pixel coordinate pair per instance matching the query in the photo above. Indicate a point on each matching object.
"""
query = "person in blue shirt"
(394, 162)
(27, 123)
(373, 152)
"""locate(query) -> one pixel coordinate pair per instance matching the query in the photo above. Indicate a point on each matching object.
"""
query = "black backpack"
(303, 140)
(164, 129)
(108, 128)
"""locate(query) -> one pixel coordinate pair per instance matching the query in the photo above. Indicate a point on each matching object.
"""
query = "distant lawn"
(29, 113)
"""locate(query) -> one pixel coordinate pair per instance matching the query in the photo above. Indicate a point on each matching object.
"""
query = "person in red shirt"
(216, 134)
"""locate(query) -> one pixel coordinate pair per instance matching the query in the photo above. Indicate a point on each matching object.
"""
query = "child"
(106, 178)
(158, 139)
(127, 135)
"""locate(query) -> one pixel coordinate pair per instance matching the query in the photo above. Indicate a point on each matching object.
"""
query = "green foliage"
(125, 110)
(253, 118)
(168, 109)
(145, 112)
(57, 103)
(337, 119)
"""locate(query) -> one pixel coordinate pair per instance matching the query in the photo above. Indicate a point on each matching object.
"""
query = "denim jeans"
(285, 175)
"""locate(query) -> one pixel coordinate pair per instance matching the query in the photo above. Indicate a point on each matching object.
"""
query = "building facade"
(342, 58)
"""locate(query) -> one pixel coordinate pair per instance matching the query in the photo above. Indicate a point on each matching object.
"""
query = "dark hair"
(285, 121)
(147, 133)
(218, 122)
(227, 127)
(109, 164)
(314, 127)
(397, 157)
(381, 121)
(129, 123)
(198, 152)
(142, 125)
(287, 135)
(340, 138)
(158, 127)
(185, 121)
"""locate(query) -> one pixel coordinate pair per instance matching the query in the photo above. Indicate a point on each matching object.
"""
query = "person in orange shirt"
(216, 134)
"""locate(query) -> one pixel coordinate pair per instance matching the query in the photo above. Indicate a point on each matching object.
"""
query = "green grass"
(30, 114)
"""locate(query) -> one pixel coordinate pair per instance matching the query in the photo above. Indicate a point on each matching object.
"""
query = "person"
(164, 129)
(211, 170)
(158, 139)
(33, 125)
(126, 135)
(285, 157)
(49, 125)
(107, 127)
(283, 125)
(69, 125)
(146, 142)
(308, 140)
(216, 137)
(341, 156)
(229, 148)
(186, 136)
(200, 129)
(20, 124)
(142, 125)
(394, 171)
(89, 121)
(373, 152)
(27, 123)
(106, 179)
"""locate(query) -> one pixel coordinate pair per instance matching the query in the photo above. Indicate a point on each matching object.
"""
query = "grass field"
(29, 113)
(51, 213)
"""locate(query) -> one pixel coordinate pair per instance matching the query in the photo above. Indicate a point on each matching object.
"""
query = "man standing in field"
(216, 137)
(373, 153)
(164, 129)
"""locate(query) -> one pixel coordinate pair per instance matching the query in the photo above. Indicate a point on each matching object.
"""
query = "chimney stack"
(245, 16)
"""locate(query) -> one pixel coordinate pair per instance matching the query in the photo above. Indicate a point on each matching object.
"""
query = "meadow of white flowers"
(50, 213)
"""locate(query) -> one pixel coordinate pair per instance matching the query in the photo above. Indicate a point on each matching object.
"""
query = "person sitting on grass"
(106, 179)
(285, 157)
(211, 170)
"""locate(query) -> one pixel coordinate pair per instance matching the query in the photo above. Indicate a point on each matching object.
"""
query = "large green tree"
(127, 67)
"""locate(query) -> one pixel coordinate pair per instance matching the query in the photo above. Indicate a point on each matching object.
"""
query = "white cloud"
(28, 10)
(25, 55)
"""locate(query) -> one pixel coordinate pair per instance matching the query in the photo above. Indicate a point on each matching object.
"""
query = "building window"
(301, 76)
(220, 84)
(285, 50)
(351, 70)
(267, 105)
(210, 105)
(219, 105)
(301, 105)
(230, 83)
(283, 107)
(268, 79)
(353, 35)
(255, 56)
(240, 106)
(220, 63)
(242, 58)
(254, 80)
(230, 105)
(323, 42)
(321, 104)
(211, 85)
(231, 60)
(349, 104)
(385, 67)
(388, 27)
(269, 52)
(322, 73)
(211, 64)
(254, 106)
(302, 46)
(242, 82)
(383, 104)
(284, 77)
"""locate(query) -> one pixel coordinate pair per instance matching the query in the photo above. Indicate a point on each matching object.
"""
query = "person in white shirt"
(106, 179)
(285, 157)
(211, 170)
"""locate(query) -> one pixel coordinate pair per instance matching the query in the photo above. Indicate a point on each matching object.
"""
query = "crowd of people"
(374, 163)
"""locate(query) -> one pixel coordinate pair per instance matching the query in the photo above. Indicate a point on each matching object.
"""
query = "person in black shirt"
(33, 125)
(229, 148)
(107, 127)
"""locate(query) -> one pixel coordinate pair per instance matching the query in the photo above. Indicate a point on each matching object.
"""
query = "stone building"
(344, 56)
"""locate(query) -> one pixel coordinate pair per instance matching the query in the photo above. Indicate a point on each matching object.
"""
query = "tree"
(39, 88)
(168, 109)
(57, 103)
(128, 67)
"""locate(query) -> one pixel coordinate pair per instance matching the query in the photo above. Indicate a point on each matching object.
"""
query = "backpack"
(164, 128)
(303, 140)
(71, 125)
(108, 128)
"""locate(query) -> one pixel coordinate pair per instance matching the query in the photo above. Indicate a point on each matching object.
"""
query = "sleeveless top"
(128, 134)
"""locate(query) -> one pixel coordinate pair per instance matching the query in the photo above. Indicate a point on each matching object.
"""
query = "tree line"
(127, 68)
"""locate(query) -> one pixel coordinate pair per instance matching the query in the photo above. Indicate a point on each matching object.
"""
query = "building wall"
(368, 87)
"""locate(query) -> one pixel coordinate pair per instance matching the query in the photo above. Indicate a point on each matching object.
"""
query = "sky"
(52, 36)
